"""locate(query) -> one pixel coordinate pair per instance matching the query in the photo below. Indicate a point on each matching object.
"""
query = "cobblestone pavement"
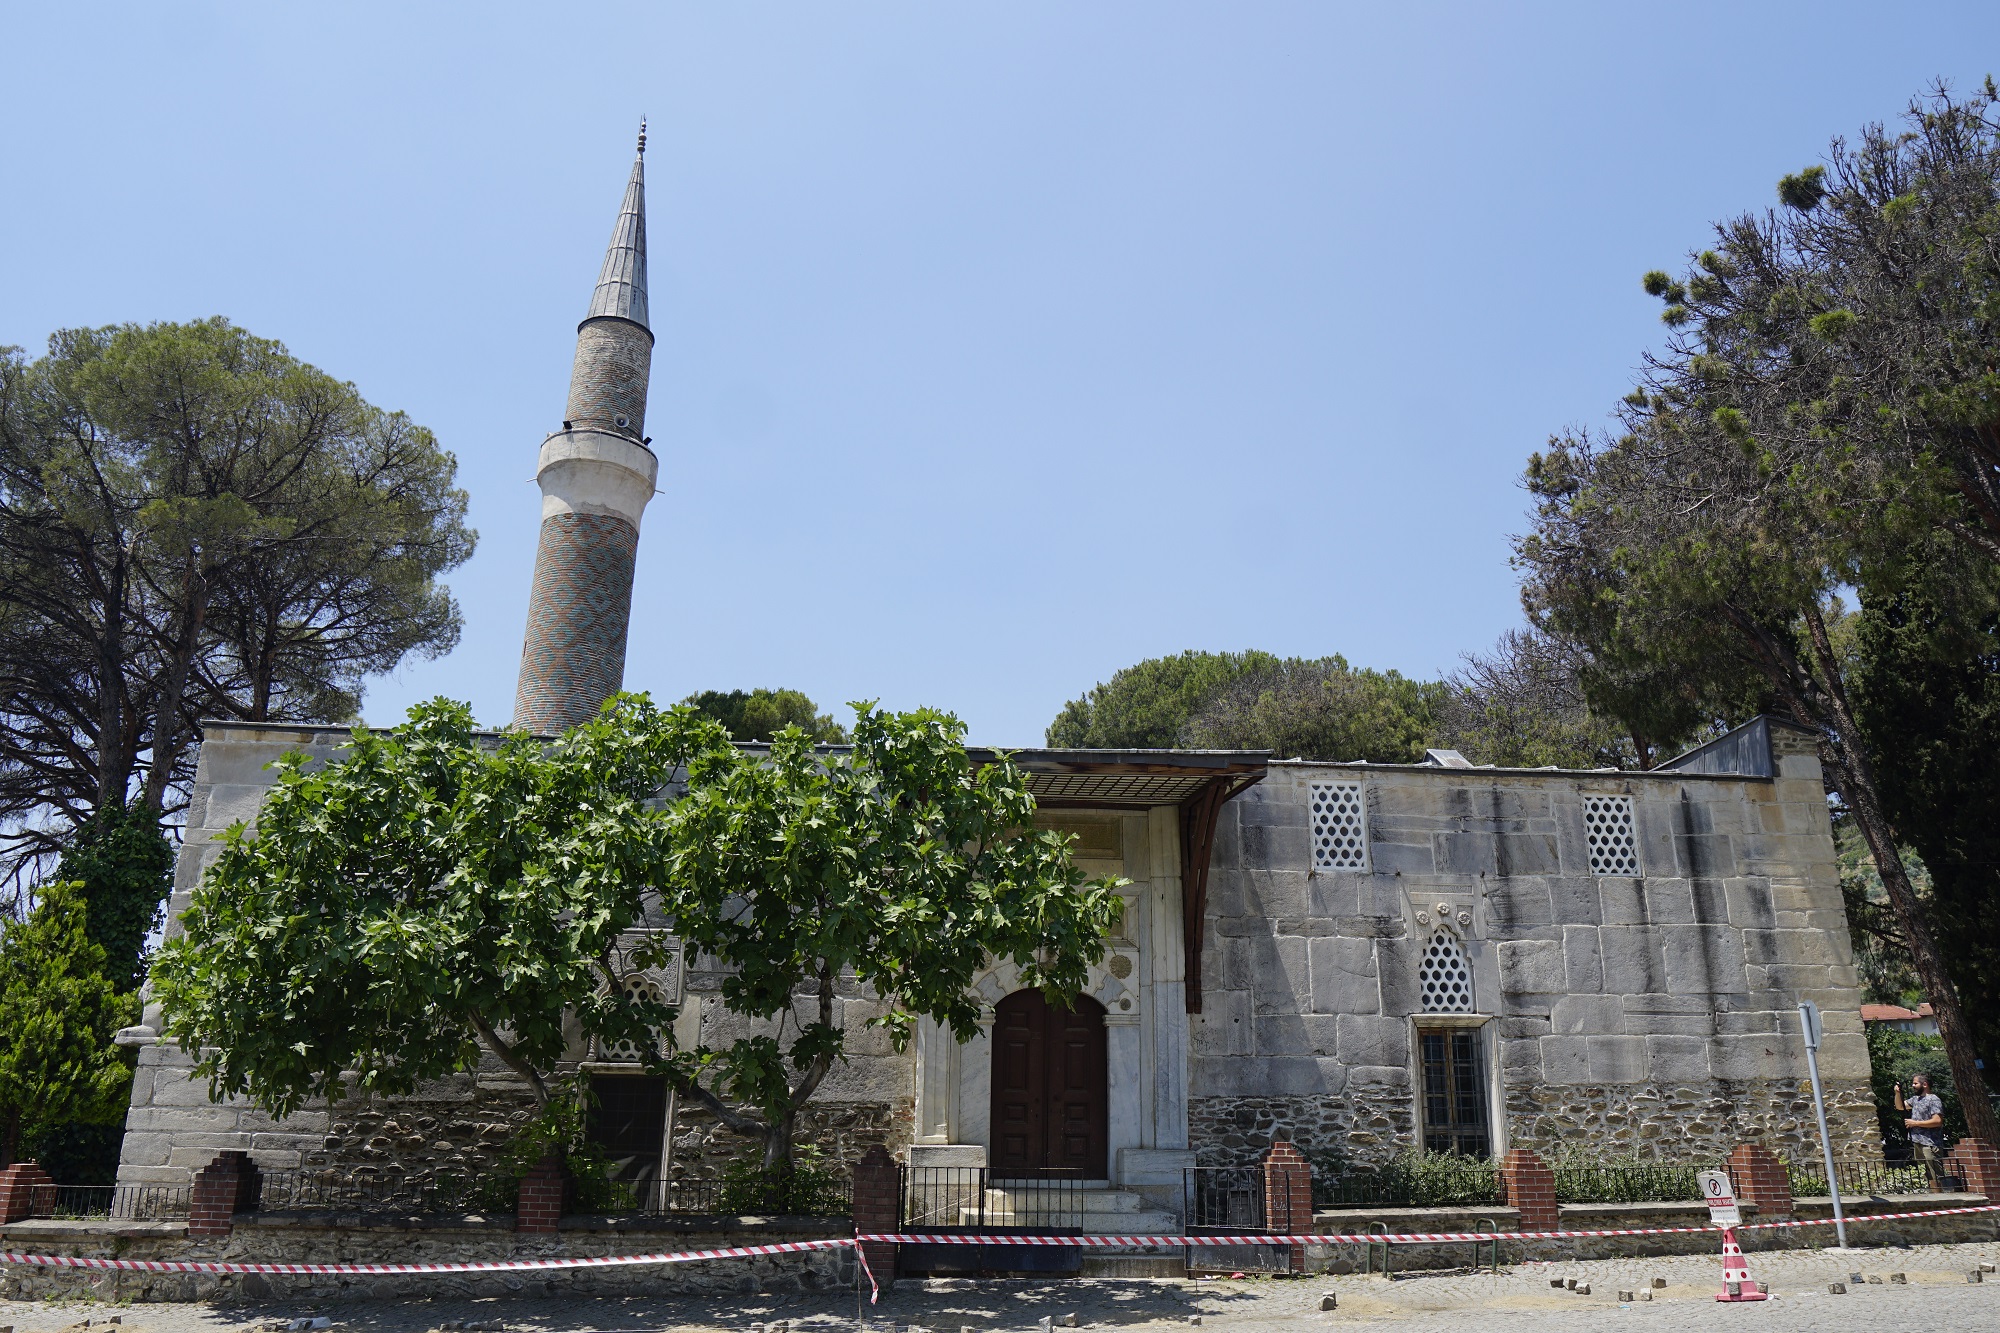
(1934, 1297)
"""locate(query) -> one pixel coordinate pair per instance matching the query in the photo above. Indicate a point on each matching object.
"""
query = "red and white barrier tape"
(494, 1266)
(913, 1238)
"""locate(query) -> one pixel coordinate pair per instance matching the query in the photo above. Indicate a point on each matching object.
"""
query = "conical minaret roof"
(621, 283)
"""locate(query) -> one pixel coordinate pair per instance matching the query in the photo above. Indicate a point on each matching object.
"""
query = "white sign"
(1721, 1196)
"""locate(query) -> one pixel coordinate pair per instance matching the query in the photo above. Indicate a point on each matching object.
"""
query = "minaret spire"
(597, 476)
(621, 283)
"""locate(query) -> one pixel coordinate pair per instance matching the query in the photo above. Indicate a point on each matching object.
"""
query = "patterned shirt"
(1926, 1107)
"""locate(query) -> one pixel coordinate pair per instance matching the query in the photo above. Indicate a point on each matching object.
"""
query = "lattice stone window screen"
(1444, 976)
(638, 987)
(1339, 827)
(1607, 827)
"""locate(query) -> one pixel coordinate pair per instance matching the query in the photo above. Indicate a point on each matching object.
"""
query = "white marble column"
(1166, 969)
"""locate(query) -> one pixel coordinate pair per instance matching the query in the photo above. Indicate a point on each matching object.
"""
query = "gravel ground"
(1934, 1298)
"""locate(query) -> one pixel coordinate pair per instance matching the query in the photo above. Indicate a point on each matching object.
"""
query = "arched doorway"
(1050, 1108)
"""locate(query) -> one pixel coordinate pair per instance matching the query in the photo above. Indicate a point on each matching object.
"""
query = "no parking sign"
(1721, 1196)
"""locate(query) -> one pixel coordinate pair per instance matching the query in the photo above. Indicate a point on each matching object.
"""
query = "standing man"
(1924, 1122)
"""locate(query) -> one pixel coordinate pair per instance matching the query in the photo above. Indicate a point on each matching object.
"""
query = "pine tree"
(58, 1013)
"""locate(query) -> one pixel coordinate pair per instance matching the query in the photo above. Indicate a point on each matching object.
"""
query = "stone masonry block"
(1633, 960)
(1399, 959)
(1334, 893)
(1588, 1015)
(1373, 1041)
(1575, 901)
(1751, 905)
(1518, 906)
(1583, 959)
(1711, 902)
(228, 805)
(1621, 902)
(1521, 1060)
(1566, 1059)
(1754, 1057)
(1709, 855)
(1527, 854)
(1464, 853)
(1343, 976)
(1273, 893)
(1617, 1059)
(1401, 858)
(1283, 983)
(1669, 902)
(1224, 1027)
(1677, 1059)
(1532, 967)
(1703, 960)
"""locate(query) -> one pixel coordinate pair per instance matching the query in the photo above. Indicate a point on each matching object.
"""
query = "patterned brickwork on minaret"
(596, 475)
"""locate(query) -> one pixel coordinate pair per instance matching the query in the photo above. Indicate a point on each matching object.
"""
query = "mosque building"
(1363, 958)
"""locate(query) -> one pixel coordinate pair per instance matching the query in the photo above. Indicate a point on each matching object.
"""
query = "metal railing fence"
(124, 1203)
(975, 1198)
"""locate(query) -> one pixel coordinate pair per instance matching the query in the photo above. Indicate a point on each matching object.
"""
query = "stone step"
(1088, 1200)
(1138, 1222)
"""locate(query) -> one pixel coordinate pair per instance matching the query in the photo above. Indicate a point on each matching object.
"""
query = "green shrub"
(813, 1186)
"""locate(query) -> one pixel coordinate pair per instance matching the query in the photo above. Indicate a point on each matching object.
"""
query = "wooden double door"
(1050, 1094)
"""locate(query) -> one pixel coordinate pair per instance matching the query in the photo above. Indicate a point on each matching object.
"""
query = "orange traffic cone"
(1736, 1282)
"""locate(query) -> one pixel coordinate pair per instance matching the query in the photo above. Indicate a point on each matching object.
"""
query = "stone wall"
(1650, 1013)
(459, 1128)
(1692, 1122)
(842, 1131)
(1364, 1125)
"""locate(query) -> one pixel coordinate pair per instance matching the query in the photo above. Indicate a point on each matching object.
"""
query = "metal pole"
(1809, 1020)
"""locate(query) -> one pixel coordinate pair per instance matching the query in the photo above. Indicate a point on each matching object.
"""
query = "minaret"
(596, 475)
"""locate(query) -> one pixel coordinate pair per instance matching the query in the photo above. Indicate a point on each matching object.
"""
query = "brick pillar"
(1529, 1188)
(225, 1187)
(878, 1207)
(1760, 1180)
(1979, 1162)
(19, 1184)
(1288, 1196)
(544, 1190)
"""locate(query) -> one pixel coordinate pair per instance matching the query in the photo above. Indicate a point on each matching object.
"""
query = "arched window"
(1444, 976)
(638, 987)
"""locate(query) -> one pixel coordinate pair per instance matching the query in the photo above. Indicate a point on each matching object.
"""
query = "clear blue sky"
(1000, 345)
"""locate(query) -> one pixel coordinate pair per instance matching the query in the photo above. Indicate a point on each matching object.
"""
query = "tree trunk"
(167, 718)
(1845, 755)
(114, 756)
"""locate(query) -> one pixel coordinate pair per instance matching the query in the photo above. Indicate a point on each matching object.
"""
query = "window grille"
(629, 1052)
(1607, 827)
(1339, 827)
(1444, 976)
(1454, 1099)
